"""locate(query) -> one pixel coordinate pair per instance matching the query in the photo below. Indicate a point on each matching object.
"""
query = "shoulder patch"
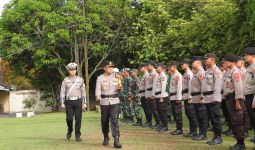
(201, 77)
(237, 77)
(177, 78)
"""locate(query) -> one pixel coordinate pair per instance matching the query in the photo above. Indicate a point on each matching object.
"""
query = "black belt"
(157, 93)
(149, 89)
(110, 96)
(221, 92)
(172, 94)
(142, 91)
(185, 91)
(195, 93)
(230, 94)
(208, 93)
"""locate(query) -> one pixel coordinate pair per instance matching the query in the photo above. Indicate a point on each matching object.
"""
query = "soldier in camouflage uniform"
(126, 94)
(169, 107)
(121, 97)
(135, 101)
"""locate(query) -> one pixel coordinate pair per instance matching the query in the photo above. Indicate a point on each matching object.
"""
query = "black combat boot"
(68, 135)
(216, 140)
(200, 137)
(106, 140)
(237, 147)
(78, 139)
(190, 135)
(147, 125)
(138, 123)
(156, 126)
(163, 128)
(117, 142)
(177, 132)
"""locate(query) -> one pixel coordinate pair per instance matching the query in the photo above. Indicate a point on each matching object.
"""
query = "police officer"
(189, 107)
(247, 123)
(161, 96)
(149, 95)
(212, 95)
(176, 95)
(249, 84)
(224, 71)
(72, 95)
(233, 92)
(144, 103)
(135, 98)
(107, 87)
(197, 98)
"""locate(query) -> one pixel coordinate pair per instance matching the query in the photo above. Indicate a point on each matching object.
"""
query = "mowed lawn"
(47, 132)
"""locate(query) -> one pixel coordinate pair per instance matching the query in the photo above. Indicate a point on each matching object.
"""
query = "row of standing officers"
(204, 88)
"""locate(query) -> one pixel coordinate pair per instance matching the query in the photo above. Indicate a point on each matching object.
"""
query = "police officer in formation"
(175, 93)
(161, 96)
(212, 95)
(73, 98)
(206, 89)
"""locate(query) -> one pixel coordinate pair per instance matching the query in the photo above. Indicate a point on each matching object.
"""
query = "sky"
(2, 3)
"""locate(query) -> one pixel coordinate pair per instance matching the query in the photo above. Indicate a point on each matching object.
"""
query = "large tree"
(41, 37)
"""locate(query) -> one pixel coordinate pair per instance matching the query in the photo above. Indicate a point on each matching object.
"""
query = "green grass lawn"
(47, 131)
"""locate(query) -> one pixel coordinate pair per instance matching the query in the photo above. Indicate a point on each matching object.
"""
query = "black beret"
(173, 63)
(186, 61)
(240, 58)
(231, 58)
(126, 69)
(221, 63)
(143, 65)
(108, 63)
(152, 62)
(209, 55)
(160, 65)
(195, 58)
(250, 50)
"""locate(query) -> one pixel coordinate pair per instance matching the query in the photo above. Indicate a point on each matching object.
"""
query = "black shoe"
(199, 137)
(138, 123)
(156, 126)
(215, 141)
(210, 129)
(162, 129)
(177, 132)
(117, 142)
(78, 139)
(190, 135)
(147, 125)
(106, 140)
(228, 132)
(171, 121)
(130, 120)
(246, 134)
(68, 135)
(237, 147)
(252, 140)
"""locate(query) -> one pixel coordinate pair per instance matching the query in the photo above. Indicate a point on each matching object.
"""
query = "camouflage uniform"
(122, 99)
(126, 94)
(136, 102)
(169, 107)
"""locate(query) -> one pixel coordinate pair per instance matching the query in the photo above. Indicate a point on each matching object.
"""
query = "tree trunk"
(85, 47)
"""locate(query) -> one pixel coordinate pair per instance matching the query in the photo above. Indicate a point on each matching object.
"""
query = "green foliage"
(173, 30)
(29, 103)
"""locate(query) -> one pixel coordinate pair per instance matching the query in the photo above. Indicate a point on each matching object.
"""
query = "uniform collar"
(73, 78)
